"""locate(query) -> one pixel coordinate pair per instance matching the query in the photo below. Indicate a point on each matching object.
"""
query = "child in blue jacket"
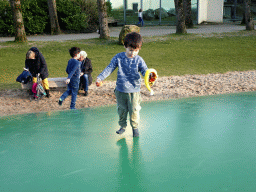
(128, 83)
(73, 70)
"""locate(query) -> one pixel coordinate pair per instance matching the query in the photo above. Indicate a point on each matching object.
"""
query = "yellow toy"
(149, 79)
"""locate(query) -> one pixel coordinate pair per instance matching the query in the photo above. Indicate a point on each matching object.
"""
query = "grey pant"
(128, 102)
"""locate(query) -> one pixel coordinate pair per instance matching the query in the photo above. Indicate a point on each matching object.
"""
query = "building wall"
(215, 10)
(207, 10)
(202, 10)
(210, 11)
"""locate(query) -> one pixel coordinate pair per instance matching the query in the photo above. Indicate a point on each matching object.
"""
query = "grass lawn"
(175, 55)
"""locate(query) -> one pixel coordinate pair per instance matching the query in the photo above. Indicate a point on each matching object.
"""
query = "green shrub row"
(73, 16)
(6, 18)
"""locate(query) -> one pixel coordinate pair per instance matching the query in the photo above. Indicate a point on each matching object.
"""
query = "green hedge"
(35, 16)
(73, 16)
(6, 19)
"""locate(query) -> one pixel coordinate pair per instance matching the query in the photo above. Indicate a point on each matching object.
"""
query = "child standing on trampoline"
(128, 83)
(73, 70)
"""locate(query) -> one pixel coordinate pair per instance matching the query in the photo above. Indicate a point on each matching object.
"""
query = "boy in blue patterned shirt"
(73, 70)
(128, 83)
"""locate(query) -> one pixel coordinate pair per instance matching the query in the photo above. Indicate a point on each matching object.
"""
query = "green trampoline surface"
(194, 144)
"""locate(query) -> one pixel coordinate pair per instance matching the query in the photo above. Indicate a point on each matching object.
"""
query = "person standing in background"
(140, 15)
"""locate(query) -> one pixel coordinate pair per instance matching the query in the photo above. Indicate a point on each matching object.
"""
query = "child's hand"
(67, 81)
(99, 83)
(81, 74)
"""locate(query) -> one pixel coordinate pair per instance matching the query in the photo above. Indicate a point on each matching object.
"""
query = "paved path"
(145, 31)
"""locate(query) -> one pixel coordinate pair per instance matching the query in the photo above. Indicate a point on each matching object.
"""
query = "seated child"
(73, 70)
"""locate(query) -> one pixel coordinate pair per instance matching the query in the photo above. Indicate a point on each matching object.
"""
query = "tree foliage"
(91, 10)
(35, 15)
(6, 19)
(73, 15)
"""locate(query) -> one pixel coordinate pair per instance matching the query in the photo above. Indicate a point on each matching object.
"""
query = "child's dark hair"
(74, 51)
(133, 40)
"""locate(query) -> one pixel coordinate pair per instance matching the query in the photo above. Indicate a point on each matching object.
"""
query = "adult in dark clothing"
(36, 64)
(86, 70)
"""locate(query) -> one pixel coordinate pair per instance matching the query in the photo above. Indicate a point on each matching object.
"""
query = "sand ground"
(19, 102)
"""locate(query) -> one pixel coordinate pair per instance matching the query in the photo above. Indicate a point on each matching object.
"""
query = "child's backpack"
(24, 77)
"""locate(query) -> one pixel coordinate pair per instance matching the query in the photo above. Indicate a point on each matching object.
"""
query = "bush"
(109, 9)
(35, 15)
(164, 13)
(90, 8)
(70, 16)
(130, 12)
(6, 19)
(125, 30)
(148, 15)
(171, 12)
(73, 15)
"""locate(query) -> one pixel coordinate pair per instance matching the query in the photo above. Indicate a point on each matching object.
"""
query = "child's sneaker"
(135, 132)
(60, 102)
(120, 131)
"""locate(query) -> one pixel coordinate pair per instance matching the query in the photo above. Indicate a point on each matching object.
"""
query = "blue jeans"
(141, 21)
(73, 88)
(85, 81)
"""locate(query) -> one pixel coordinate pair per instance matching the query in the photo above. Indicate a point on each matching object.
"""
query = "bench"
(113, 21)
(53, 83)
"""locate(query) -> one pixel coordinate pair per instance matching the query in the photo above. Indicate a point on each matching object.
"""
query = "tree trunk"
(180, 17)
(248, 15)
(20, 34)
(55, 27)
(102, 11)
(188, 13)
